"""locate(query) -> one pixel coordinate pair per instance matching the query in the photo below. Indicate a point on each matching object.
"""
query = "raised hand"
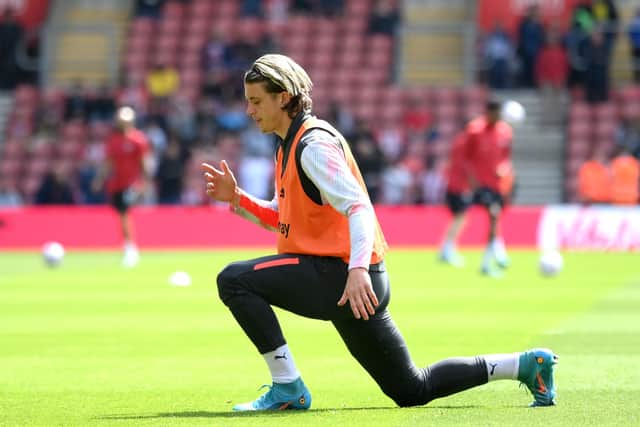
(221, 184)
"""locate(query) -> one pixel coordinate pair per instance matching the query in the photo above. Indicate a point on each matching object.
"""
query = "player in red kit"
(127, 172)
(458, 198)
(487, 148)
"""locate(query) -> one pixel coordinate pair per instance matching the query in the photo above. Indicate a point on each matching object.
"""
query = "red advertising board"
(216, 227)
(31, 13)
(509, 12)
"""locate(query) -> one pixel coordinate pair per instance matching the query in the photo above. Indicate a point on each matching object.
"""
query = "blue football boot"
(536, 372)
(279, 397)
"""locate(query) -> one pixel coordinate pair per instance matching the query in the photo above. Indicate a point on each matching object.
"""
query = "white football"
(551, 263)
(52, 253)
(513, 112)
(180, 278)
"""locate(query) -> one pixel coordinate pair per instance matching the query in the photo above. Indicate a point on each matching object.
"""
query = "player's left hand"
(359, 292)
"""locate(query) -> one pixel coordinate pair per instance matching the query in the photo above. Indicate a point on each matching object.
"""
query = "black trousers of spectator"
(635, 58)
(597, 83)
(311, 286)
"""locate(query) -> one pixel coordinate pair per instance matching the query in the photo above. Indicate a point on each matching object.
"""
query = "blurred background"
(398, 77)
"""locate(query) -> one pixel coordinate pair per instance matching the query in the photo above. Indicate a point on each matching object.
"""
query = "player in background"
(127, 172)
(488, 141)
(457, 198)
(330, 261)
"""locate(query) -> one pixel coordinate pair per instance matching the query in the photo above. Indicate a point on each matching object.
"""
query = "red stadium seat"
(366, 112)
(324, 44)
(368, 94)
(29, 186)
(295, 44)
(380, 43)
(629, 94)
(26, 95)
(447, 129)
(197, 26)
(447, 95)
(605, 130)
(392, 95)
(477, 94)
(446, 112)
(142, 27)
(580, 110)
(69, 149)
(377, 77)
(606, 111)
(172, 9)
(75, 131)
(166, 42)
(12, 149)
(354, 26)
(578, 148)
(201, 8)
(630, 111)
(324, 28)
(343, 93)
(166, 56)
(10, 168)
(99, 131)
(138, 43)
(350, 43)
(472, 110)
(37, 167)
(190, 61)
(169, 27)
(227, 9)
(191, 79)
(573, 166)
(580, 130)
(378, 59)
(357, 8)
(391, 112)
(42, 149)
(299, 26)
(321, 61)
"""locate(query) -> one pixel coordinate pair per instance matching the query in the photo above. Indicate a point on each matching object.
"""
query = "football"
(513, 112)
(52, 253)
(551, 263)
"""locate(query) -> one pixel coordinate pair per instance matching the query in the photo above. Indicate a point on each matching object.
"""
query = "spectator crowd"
(402, 157)
(549, 56)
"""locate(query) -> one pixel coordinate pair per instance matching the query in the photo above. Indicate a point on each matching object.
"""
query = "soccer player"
(127, 172)
(330, 261)
(458, 199)
(487, 144)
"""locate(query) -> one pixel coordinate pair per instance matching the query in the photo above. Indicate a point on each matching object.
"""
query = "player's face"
(265, 108)
(493, 116)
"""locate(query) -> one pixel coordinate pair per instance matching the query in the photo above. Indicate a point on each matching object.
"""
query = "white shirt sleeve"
(324, 163)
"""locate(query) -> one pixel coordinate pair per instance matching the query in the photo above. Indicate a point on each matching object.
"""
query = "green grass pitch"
(92, 344)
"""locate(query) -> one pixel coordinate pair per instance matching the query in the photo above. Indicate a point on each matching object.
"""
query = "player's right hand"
(221, 184)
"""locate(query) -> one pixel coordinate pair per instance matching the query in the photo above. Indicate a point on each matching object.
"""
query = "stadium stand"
(350, 65)
(596, 127)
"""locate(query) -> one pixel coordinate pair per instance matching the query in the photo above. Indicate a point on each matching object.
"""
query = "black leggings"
(311, 287)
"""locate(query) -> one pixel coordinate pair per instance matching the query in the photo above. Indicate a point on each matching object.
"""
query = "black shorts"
(457, 202)
(123, 200)
(487, 197)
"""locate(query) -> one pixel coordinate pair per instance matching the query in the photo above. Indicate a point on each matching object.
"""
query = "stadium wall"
(568, 227)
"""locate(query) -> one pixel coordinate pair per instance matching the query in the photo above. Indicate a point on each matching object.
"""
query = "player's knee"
(404, 399)
(228, 283)
(495, 209)
(414, 390)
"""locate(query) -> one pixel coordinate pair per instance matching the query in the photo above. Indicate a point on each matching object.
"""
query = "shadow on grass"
(271, 414)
